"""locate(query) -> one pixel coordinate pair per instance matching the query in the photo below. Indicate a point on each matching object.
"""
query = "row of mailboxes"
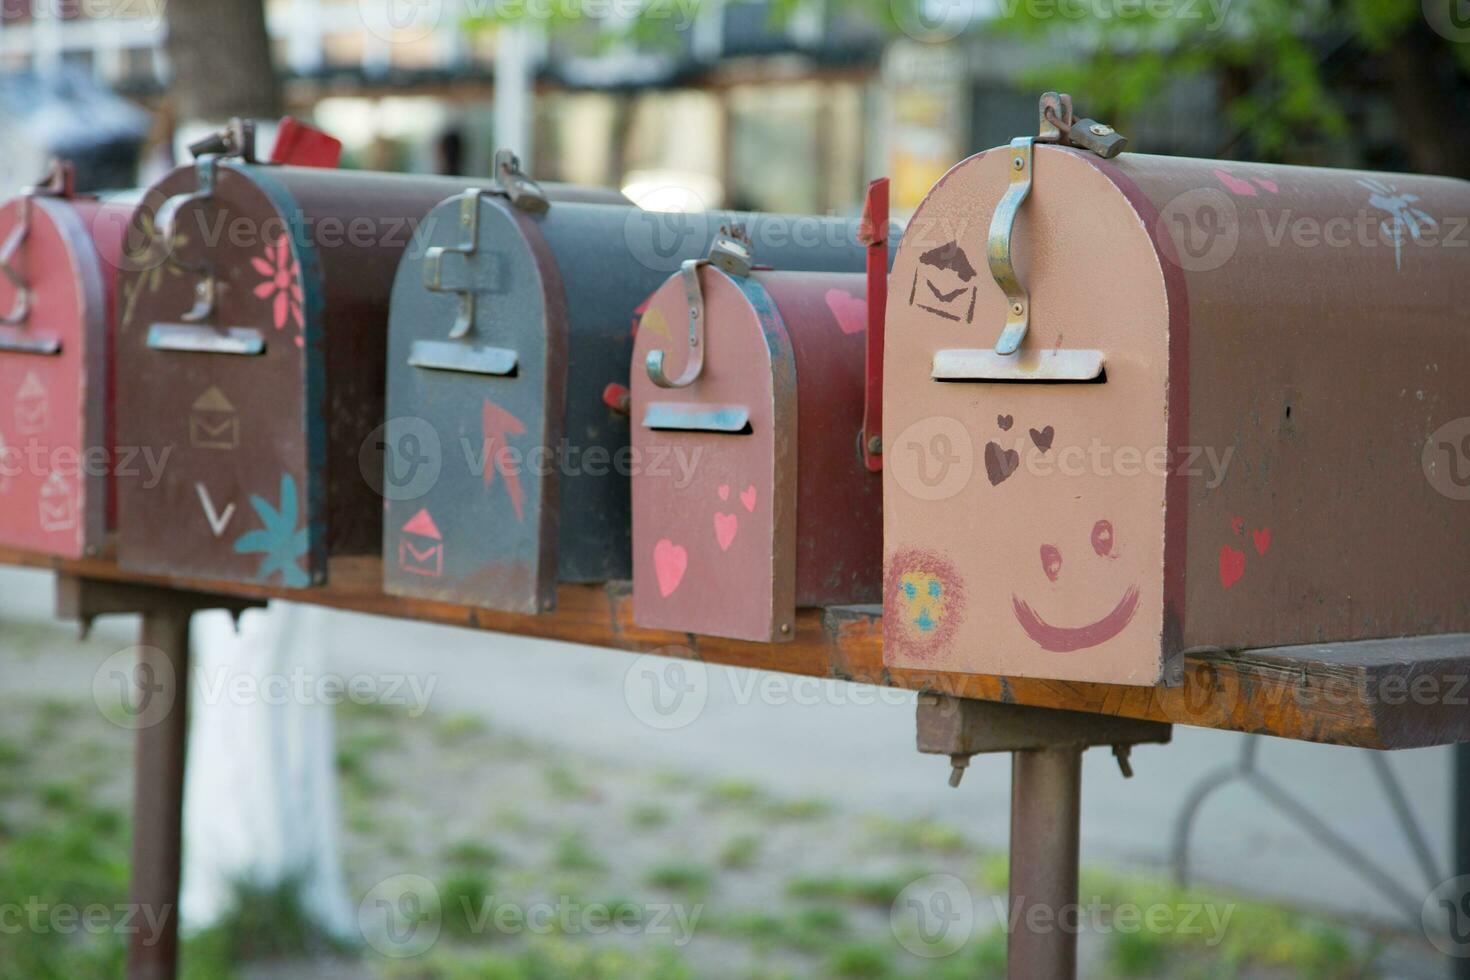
(1127, 410)
(511, 319)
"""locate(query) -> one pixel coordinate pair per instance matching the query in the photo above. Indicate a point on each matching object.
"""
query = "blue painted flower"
(281, 542)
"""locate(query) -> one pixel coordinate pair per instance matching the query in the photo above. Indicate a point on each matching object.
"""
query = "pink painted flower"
(282, 281)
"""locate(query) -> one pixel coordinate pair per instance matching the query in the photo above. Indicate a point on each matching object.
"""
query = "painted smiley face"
(924, 602)
(1065, 639)
(921, 600)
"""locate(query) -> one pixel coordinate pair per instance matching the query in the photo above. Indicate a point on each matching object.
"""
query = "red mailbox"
(58, 255)
(751, 495)
(1141, 405)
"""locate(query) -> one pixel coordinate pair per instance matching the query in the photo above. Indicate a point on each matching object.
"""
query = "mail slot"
(1138, 405)
(756, 498)
(58, 255)
(507, 463)
(252, 338)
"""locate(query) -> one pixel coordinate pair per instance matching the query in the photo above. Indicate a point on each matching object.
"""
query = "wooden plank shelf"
(1380, 694)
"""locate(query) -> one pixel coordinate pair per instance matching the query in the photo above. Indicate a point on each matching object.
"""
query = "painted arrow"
(497, 426)
(217, 521)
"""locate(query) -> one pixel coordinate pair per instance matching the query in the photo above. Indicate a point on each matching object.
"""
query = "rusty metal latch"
(166, 224)
(522, 192)
(731, 253)
(1056, 125)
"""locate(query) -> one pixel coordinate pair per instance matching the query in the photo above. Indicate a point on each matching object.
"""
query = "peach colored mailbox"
(1143, 405)
(750, 493)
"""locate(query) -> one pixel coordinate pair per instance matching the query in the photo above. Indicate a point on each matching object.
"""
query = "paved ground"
(854, 745)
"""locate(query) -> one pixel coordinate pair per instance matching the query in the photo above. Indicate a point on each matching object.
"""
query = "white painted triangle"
(217, 522)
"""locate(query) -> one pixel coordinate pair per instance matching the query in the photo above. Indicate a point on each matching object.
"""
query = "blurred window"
(15, 11)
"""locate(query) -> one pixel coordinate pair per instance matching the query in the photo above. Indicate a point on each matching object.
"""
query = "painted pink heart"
(1232, 565)
(669, 562)
(1236, 186)
(850, 311)
(1269, 185)
(723, 490)
(1262, 539)
(747, 497)
(725, 527)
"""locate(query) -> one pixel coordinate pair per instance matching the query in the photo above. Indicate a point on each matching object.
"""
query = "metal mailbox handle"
(1056, 124)
(59, 181)
(730, 252)
(166, 227)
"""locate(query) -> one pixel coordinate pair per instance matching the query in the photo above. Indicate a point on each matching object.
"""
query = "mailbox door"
(1024, 519)
(478, 525)
(715, 495)
(233, 397)
(54, 448)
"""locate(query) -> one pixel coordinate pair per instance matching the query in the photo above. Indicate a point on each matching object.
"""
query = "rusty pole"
(158, 802)
(1046, 810)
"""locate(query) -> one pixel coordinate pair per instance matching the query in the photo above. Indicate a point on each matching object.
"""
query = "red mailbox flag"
(304, 146)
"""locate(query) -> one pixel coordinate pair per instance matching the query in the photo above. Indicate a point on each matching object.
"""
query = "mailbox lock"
(1056, 125)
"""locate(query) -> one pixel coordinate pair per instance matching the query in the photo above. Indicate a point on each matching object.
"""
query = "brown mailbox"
(1142, 405)
(252, 333)
(58, 255)
(751, 495)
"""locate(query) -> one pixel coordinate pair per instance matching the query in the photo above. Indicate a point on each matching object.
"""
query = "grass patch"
(456, 729)
(740, 852)
(921, 836)
(880, 890)
(463, 897)
(473, 854)
(646, 816)
(264, 922)
(573, 854)
(566, 785)
(552, 958)
(860, 961)
(680, 876)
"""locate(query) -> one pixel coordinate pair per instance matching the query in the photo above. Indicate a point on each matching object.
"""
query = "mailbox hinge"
(1057, 124)
(731, 253)
(59, 181)
(236, 139)
(522, 192)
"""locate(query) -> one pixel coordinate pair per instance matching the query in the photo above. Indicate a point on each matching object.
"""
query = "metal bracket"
(166, 224)
(1055, 124)
(236, 139)
(82, 600)
(522, 192)
(731, 253)
(962, 727)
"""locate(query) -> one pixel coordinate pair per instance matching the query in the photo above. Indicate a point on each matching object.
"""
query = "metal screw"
(1121, 753)
(957, 766)
(785, 628)
(1018, 163)
(875, 445)
(1100, 129)
(1017, 309)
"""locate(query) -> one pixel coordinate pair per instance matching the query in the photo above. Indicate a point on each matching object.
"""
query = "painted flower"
(280, 541)
(1403, 216)
(281, 284)
(151, 263)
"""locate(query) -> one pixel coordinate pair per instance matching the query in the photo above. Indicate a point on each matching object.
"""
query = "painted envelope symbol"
(213, 423)
(944, 283)
(58, 505)
(32, 406)
(421, 549)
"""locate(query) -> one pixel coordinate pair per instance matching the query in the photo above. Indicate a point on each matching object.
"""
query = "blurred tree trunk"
(1427, 88)
(220, 56)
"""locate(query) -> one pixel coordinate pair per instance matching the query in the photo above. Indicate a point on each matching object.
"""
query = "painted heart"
(747, 497)
(669, 562)
(1232, 565)
(851, 312)
(725, 527)
(1237, 524)
(1236, 186)
(1042, 438)
(1000, 463)
(1005, 422)
(723, 490)
(1269, 185)
(1262, 539)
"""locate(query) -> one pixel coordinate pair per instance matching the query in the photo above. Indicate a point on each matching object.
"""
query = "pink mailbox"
(58, 255)
(751, 495)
